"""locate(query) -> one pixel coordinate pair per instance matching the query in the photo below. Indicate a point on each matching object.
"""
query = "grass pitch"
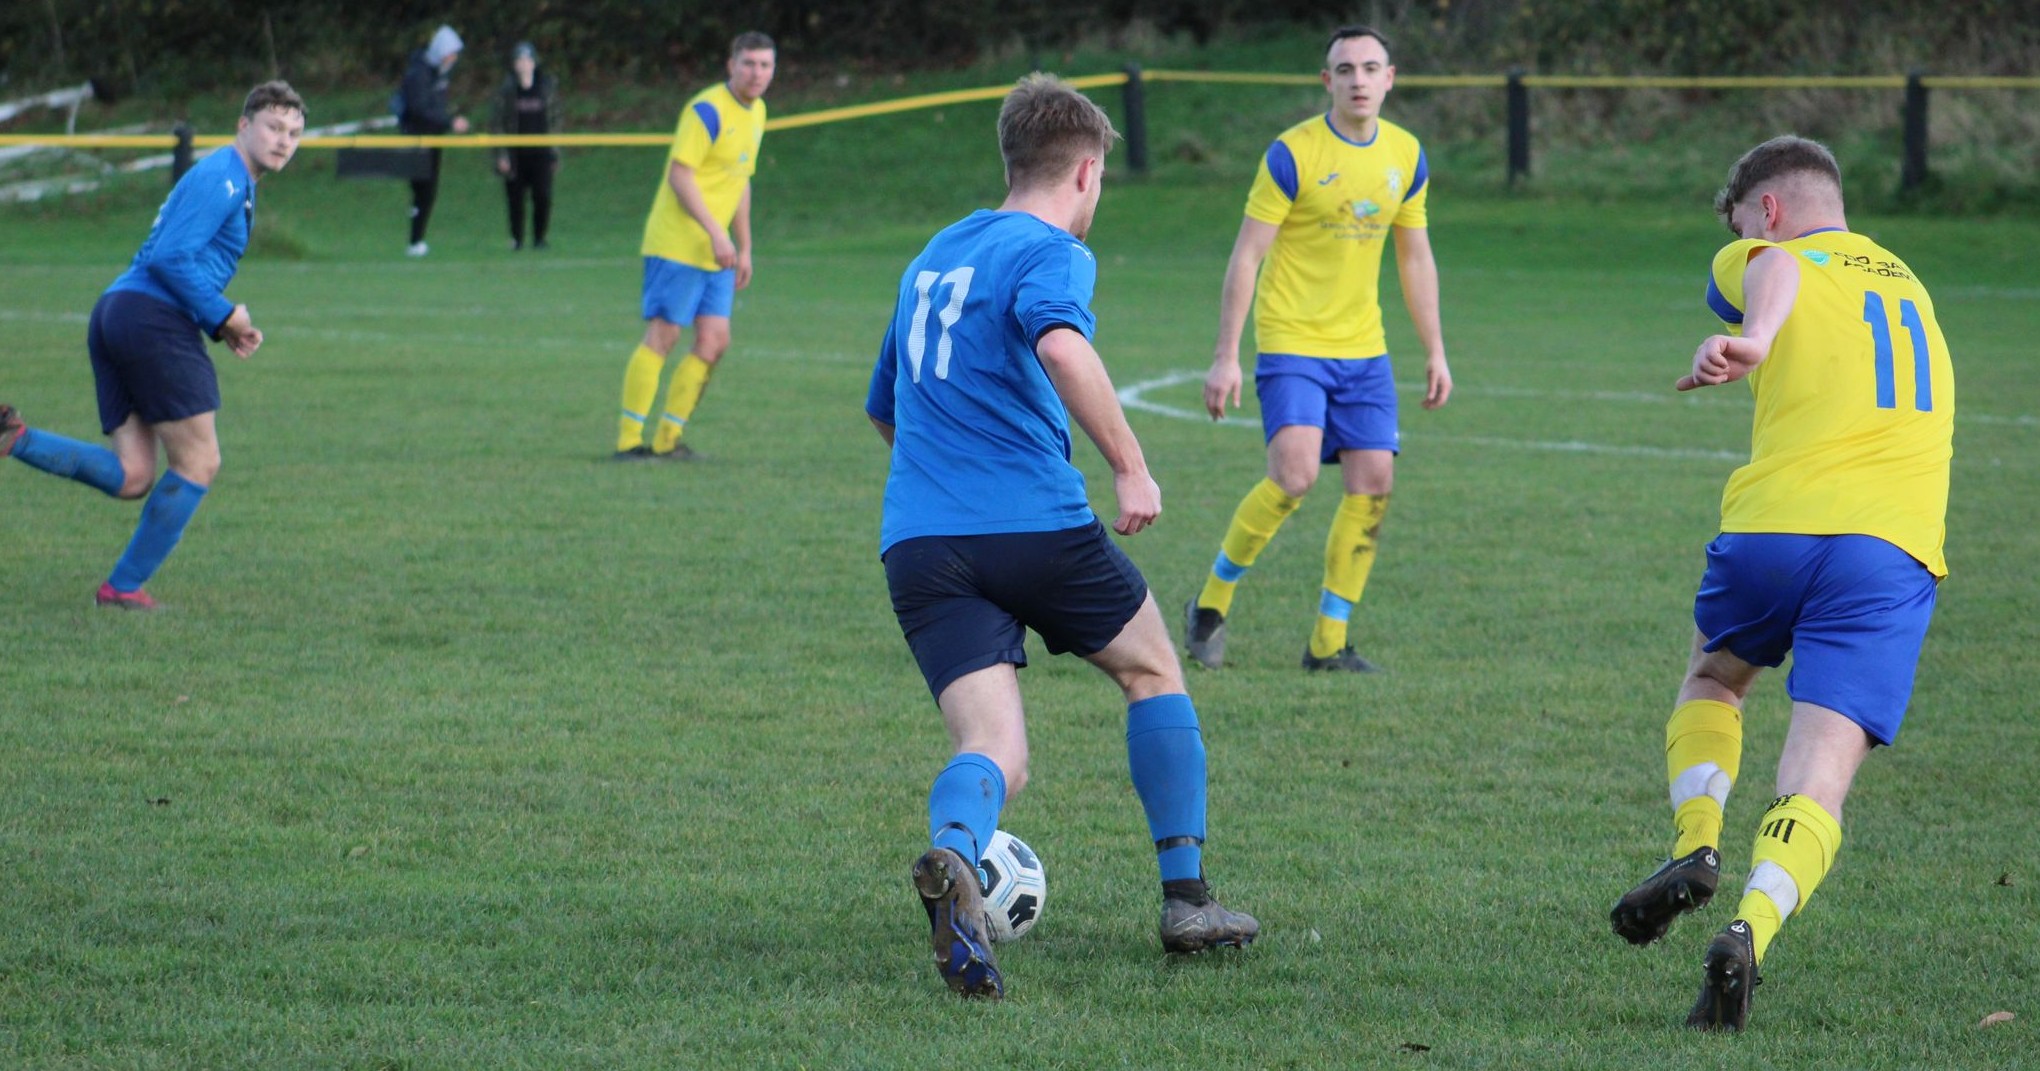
(458, 746)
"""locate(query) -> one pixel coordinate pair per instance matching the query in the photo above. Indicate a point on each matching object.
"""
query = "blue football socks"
(1165, 750)
(963, 805)
(164, 516)
(89, 464)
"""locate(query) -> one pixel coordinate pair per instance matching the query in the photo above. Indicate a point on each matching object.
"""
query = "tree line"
(178, 47)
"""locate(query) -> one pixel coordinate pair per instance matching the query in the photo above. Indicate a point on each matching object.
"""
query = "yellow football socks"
(1349, 556)
(1703, 754)
(640, 390)
(682, 395)
(1796, 844)
(1260, 514)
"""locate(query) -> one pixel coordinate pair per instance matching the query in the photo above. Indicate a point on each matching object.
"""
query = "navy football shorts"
(148, 359)
(965, 602)
(1852, 610)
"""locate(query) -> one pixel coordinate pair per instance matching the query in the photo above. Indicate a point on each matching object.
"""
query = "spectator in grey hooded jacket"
(425, 110)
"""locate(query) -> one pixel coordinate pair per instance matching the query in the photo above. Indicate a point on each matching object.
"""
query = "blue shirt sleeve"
(878, 402)
(200, 205)
(1055, 290)
(1423, 174)
(710, 118)
(1282, 168)
(1718, 303)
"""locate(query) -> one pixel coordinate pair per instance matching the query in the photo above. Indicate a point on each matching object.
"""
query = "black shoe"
(640, 452)
(1204, 634)
(1344, 660)
(956, 916)
(1192, 927)
(540, 245)
(1731, 965)
(680, 452)
(516, 245)
(1681, 885)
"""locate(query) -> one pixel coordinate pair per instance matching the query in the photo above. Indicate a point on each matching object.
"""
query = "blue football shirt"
(982, 441)
(196, 243)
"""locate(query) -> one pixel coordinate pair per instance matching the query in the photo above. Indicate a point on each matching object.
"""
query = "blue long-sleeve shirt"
(197, 241)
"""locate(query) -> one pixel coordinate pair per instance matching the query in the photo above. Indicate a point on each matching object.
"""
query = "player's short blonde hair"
(1786, 154)
(1046, 127)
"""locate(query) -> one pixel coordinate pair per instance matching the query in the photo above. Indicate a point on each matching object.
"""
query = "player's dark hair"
(1345, 33)
(277, 94)
(1787, 154)
(1045, 127)
(751, 41)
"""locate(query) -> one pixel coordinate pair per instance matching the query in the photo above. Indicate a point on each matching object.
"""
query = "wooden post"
(1913, 172)
(1135, 100)
(1519, 126)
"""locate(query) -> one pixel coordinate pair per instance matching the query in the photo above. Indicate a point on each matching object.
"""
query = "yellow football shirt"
(719, 139)
(1333, 202)
(1855, 418)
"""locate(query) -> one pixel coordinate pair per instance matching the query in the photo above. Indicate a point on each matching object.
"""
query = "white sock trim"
(1705, 779)
(1771, 879)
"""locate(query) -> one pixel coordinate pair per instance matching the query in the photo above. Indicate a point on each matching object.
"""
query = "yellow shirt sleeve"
(1415, 210)
(1725, 279)
(1266, 200)
(690, 140)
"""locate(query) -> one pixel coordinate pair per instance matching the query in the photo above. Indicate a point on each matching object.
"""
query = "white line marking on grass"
(1134, 396)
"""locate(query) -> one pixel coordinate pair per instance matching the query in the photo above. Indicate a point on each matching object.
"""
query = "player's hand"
(1722, 359)
(240, 334)
(743, 269)
(1220, 384)
(725, 251)
(502, 167)
(247, 344)
(1437, 382)
(460, 124)
(1140, 501)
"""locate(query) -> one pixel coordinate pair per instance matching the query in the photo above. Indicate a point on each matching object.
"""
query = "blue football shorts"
(1852, 610)
(1352, 400)
(965, 602)
(678, 293)
(148, 359)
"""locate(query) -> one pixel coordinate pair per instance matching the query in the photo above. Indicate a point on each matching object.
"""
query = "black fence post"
(1914, 170)
(1519, 126)
(180, 157)
(1136, 121)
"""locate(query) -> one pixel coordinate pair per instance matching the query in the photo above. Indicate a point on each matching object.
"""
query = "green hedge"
(177, 47)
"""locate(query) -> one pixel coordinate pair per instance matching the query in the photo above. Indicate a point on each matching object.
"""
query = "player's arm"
(194, 213)
(1418, 269)
(878, 401)
(740, 232)
(681, 178)
(1235, 298)
(1770, 290)
(1086, 391)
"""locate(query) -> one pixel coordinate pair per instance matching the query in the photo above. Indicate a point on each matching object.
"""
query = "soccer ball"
(1015, 886)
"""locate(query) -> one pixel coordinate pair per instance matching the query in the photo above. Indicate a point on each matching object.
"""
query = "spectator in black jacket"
(527, 103)
(426, 111)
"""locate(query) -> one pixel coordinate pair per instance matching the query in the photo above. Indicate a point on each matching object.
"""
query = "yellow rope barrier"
(1095, 81)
